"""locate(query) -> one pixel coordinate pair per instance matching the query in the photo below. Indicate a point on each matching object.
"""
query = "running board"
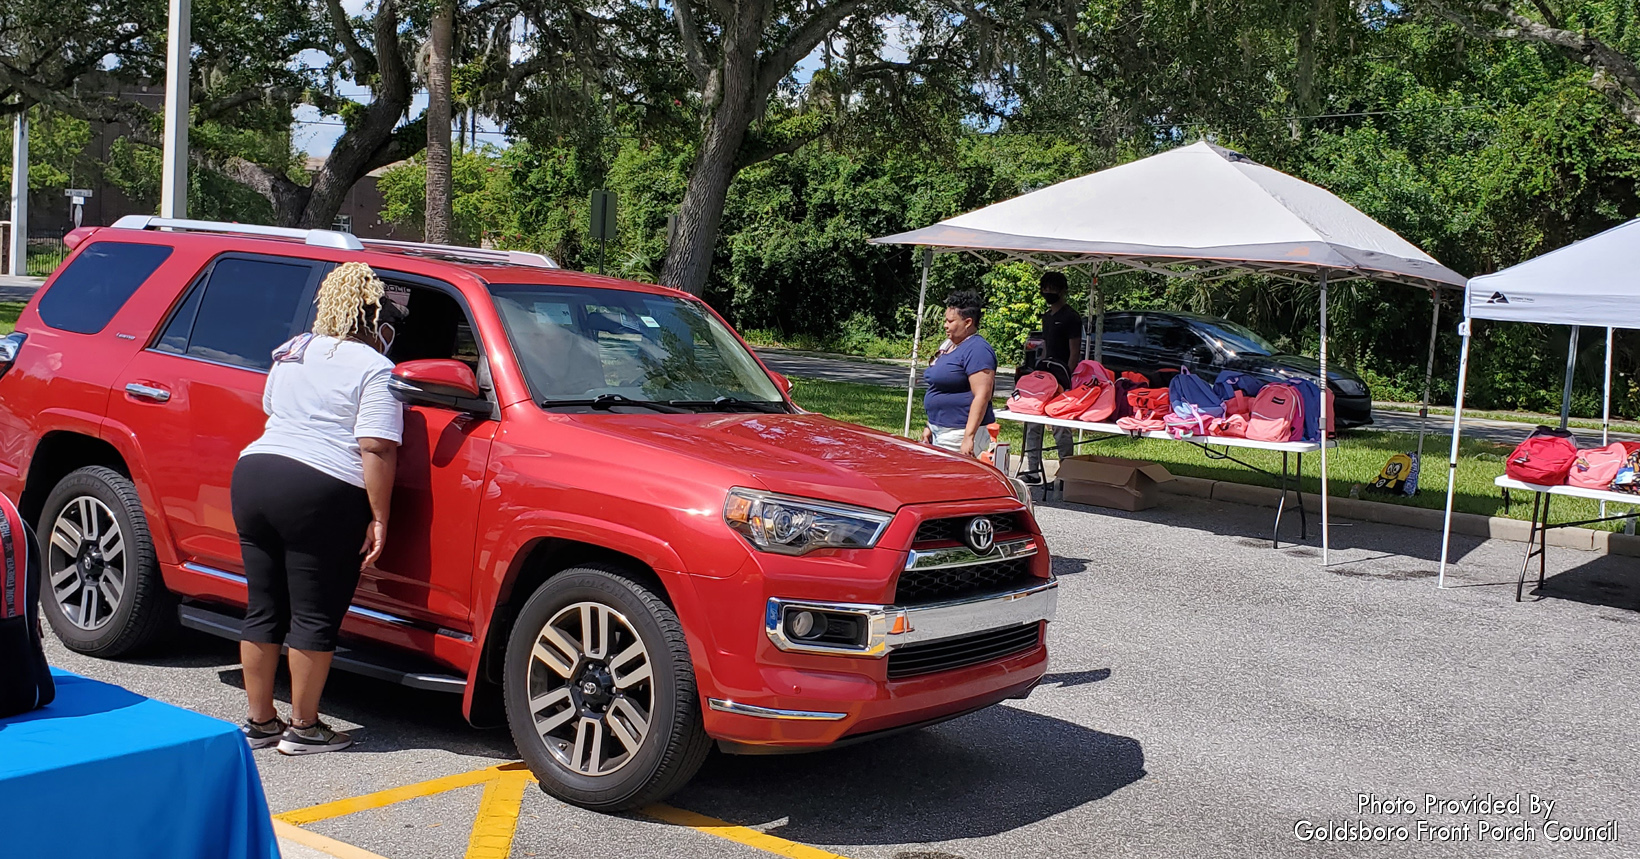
(392, 667)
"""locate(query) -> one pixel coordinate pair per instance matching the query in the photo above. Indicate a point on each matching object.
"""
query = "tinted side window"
(1169, 336)
(1119, 331)
(97, 284)
(248, 308)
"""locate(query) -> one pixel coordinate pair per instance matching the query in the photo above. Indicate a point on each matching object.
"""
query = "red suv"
(611, 528)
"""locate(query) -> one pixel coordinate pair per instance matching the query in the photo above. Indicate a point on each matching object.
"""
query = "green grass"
(1351, 466)
(9, 311)
(41, 263)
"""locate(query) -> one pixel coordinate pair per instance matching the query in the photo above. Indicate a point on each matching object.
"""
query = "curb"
(1470, 524)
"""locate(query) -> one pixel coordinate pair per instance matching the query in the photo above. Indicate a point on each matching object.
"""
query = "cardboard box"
(1109, 481)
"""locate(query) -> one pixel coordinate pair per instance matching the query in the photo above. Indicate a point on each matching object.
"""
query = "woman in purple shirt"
(960, 382)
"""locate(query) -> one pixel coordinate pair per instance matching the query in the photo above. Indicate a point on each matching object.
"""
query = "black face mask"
(1051, 297)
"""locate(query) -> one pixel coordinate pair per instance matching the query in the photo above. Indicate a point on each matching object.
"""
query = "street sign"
(78, 192)
(603, 215)
(603, 222)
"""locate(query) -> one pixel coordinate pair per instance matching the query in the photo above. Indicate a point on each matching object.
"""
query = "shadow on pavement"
(984, 774)
(1607, 580)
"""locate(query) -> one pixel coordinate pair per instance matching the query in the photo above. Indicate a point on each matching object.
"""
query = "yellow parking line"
(738, 834)
(330, 846)
(316, 813)
(497, 818)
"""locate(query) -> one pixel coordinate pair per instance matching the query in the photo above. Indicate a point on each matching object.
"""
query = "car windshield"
(1235, 338)
(601, 348)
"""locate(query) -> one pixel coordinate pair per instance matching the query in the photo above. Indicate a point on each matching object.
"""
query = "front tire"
(103, 593)
(600, 692)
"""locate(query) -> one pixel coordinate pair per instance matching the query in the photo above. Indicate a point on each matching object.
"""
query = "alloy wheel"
(591, 689)
(87, 562)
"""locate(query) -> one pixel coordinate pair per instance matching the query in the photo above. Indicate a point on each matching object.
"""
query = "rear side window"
(241, 312)
(97, 284)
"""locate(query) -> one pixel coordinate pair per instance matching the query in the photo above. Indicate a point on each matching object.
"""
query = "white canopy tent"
(1196, 211)
(1592, 282)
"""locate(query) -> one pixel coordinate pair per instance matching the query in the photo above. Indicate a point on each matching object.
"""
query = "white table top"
(1225, 441)
(1508, 482)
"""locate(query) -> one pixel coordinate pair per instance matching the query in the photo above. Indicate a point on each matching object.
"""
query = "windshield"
(1235, 338)
(583, 346)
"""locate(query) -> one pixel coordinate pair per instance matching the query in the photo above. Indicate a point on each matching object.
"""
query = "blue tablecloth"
(107, 773)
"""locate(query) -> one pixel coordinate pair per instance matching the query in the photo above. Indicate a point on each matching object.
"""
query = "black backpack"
(25, 679)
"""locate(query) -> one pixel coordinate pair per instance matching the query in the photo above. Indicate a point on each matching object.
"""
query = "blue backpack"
(1188, 390)
(1226, 386)
(1310, 393)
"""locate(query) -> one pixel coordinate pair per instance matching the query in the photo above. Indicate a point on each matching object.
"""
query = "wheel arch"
(57, 455)
(537, 562)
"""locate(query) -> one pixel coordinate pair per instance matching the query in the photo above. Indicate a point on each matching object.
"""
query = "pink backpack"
(1596, 468)
(1277, 413)
(1033, 393)
(1091, 371)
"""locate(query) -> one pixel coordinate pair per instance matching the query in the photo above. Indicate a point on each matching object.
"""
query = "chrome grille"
(937, 531)
(938, 584)
(963, 651)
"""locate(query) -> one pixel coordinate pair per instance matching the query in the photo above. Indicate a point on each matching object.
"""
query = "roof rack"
(483, 254)
(332, 239)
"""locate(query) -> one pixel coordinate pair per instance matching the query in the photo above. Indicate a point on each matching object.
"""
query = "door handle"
(148, 392)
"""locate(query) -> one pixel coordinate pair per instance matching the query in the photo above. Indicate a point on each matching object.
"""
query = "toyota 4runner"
(612, 529)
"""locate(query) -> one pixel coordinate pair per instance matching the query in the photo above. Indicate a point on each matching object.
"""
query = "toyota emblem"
(982, 534)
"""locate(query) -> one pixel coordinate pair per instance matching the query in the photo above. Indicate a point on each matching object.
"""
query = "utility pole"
(173, 194)
(19, 194)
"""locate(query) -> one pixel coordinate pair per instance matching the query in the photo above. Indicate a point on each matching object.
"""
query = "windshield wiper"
(726, 404)
(605, 402)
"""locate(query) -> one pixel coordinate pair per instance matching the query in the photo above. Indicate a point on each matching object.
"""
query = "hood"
(812, 456)
(1290, 364)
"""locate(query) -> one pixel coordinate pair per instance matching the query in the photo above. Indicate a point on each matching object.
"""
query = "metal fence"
(45, 250)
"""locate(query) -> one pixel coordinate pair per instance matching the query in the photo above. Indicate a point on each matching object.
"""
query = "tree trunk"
(689, 259)
(440, 206)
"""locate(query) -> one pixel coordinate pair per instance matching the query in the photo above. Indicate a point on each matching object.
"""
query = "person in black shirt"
(1061, 343)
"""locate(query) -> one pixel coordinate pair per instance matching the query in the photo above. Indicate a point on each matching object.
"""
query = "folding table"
(1536, 539)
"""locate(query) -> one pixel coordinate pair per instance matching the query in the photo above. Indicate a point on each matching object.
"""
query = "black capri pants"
(300, 531)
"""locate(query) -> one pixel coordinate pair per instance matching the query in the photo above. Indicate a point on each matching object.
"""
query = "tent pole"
(1098, 314)
(1606, 405)
(1429, 372)
(1566, 390)
(1321, 422)
(916, 339)
(1452, 460)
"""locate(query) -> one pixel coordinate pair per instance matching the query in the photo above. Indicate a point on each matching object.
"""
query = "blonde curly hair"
(350, 298)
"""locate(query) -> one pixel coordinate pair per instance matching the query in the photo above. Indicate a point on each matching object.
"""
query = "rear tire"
(600, 692)
(102, 591)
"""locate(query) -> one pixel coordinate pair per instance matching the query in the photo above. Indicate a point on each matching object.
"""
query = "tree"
(439, 214)
(247, 75)
(1599, 34)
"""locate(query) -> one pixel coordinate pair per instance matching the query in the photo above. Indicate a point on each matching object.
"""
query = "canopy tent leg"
(1452, 460)
(1606, 405)
(1566, 390)
(1321, 422)
(916, 340)
(1096, 312)
(1429, 372)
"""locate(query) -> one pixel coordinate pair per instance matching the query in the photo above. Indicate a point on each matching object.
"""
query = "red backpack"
(1276, 410)
(25, 679)
(1544, 458)
(1071, 404)
(1033, 393)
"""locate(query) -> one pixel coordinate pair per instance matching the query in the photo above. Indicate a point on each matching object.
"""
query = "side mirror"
(439, 382)
(782, 382)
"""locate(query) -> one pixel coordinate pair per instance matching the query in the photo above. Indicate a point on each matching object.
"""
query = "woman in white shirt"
(307, 494)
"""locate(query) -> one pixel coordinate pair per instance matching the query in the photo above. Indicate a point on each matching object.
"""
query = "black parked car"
(1158, 343)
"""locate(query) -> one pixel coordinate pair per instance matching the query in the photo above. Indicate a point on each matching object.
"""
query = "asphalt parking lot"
(1207, 695)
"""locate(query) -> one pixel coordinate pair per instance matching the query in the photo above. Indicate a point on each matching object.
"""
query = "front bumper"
(850, 693)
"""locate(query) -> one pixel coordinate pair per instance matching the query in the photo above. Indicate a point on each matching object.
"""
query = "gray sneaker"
(260, 735)
(312, 740)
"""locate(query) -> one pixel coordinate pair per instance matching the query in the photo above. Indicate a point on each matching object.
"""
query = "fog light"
(805, 624)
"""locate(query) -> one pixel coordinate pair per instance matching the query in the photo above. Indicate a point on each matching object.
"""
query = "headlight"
(1350, 387)
(1023, 493)
(797, 526)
